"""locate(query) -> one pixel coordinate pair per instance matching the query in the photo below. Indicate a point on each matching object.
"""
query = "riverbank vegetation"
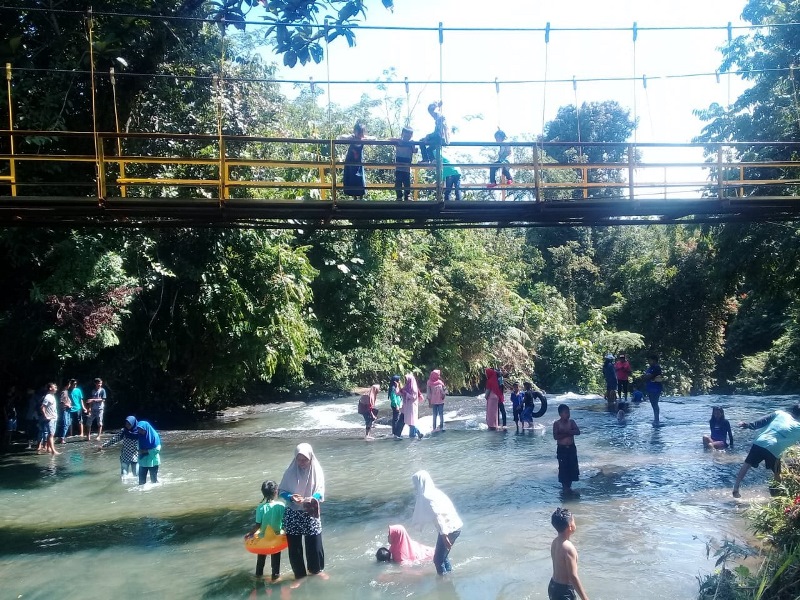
(180, 320)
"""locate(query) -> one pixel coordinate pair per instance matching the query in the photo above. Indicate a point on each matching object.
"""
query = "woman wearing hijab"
(149, 452)
(129, 455)
(411, 394)
(434, 507)
(436, 396)
(405, 550)
(493, 398)
(366, 408)
(303, 489)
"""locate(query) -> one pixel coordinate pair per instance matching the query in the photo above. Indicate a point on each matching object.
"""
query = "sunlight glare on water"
(651, 498)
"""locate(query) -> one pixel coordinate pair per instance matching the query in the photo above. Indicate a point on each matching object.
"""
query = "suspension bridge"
(120, 178)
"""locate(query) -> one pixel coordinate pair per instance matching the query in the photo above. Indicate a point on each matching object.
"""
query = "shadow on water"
(139, 532)
(17, 473)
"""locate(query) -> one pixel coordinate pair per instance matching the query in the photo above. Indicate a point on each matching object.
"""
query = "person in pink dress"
(411, 396)
(402, 549)
(493, 398)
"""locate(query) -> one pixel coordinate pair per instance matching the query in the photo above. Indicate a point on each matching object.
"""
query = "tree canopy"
(193, 319)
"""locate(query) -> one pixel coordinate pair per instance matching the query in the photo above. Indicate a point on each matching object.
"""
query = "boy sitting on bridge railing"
(432, 143)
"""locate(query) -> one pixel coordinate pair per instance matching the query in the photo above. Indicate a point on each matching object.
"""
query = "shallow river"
(651, 498)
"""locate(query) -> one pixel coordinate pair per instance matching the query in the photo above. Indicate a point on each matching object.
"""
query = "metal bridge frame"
(230, 189)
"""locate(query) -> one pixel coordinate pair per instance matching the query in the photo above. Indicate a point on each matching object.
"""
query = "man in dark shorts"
(565, 582)
(781, 430)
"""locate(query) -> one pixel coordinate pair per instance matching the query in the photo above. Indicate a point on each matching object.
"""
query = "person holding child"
(269, 515)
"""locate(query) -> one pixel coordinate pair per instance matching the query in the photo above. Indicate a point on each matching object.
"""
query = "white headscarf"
(305, 482)
(433, 505)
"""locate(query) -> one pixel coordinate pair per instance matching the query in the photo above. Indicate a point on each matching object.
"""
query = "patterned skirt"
(299, 522)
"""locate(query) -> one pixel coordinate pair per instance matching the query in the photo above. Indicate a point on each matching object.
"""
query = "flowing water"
(650, 500)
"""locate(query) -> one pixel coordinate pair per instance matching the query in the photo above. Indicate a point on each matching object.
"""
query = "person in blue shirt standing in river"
(781, 430)
(653, 376)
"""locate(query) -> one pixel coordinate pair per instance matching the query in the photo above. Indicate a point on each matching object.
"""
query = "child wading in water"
(268, 514)
(720, 430)
(564, 432)
(516, 405)
(565, 581)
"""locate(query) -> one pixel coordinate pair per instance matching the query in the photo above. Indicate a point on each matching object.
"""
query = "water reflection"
(650, 498)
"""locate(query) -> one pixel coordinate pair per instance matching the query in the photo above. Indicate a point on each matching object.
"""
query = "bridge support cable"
(12, 167)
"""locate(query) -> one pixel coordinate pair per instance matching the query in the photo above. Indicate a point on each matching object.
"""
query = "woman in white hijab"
(434, 507)
(303, 489)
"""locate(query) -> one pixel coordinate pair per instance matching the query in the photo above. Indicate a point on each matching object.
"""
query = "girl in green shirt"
(269, 514)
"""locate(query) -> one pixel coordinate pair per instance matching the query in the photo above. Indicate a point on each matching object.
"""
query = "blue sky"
(664, 108)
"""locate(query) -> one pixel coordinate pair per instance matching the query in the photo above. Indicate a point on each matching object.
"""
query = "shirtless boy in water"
(564, 432)
(565, 581)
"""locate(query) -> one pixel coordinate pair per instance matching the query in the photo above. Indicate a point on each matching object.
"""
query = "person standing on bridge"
(503, 156)
(404, 155)
(354, 180)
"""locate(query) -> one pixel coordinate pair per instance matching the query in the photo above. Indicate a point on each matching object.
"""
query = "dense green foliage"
(184, 320)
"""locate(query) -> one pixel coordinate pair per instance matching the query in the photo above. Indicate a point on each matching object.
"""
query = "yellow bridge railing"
(46, 164)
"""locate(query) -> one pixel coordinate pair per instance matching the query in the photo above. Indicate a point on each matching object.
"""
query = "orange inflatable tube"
(269, 543)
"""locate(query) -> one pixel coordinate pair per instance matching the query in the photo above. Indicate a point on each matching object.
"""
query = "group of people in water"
(617, 374)
(293, 507)
(354, 181)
